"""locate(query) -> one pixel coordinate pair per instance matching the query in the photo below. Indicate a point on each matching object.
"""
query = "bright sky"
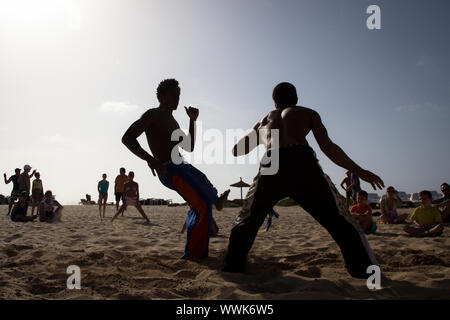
(75, 74)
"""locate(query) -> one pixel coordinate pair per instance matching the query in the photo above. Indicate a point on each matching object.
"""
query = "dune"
(128, 259)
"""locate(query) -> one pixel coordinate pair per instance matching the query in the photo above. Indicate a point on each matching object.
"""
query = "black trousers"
(301, 178)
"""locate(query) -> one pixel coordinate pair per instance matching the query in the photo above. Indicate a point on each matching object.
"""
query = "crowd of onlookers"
(25, 193)
(125, 189)
(426, 220)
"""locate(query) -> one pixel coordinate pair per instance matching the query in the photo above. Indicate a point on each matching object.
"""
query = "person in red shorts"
(362, 211)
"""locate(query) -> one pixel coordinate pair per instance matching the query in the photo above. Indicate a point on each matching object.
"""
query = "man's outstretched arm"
(129, 139)
(247, 143)
(338, 156)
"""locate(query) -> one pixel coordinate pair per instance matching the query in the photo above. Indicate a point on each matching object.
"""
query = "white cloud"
(54, 139)
(119, 107)
(424, 61)
(418, 106)
(3, 129)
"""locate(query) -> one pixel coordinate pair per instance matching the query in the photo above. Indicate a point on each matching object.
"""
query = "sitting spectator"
(427, 221)
(362, 211)
(389, 207)
(19, 212)
(444, 203)
(48, 212)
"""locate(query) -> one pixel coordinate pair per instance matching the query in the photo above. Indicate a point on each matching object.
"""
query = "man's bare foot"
(223, 197)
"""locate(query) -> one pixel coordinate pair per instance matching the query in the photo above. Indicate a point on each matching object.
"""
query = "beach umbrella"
(241, 184)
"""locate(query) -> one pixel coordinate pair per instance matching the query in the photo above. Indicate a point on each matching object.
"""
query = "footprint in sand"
(13, 237)
(10, 252)
(185, 274)
(311, 272)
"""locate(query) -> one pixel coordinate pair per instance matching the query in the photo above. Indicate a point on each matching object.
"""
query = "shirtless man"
(300, 177)
(444, 203)
(191, 184)
(347, 183)
(24, 179)
(15, 193)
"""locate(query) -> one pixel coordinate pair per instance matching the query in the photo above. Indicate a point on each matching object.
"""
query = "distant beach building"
(373, 198)
(155, 202)
(405, 197)
(415, 196)
(436, 195)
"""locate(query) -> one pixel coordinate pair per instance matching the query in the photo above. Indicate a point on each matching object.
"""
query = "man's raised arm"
(338, 156)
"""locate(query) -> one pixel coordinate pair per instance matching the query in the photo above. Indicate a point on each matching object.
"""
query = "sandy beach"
(129, 259)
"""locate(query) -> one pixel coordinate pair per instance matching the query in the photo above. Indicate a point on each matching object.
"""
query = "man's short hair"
(363, 193)
(285, 93)
(445, 184)
(16, 169)
(426, 193)
(122, 169)
(164, 86)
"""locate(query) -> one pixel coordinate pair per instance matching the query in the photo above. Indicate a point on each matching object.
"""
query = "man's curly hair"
(164, 86)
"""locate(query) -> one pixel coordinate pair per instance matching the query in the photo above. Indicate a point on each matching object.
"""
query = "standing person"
(102, 188)
(48, 212)
(19, 212)
(119, 184)
(354, 187)
(15, 193)
(427, 221)
(131, 197)
(389, 207)
(24, 179)
(190, 183)
(37, 193)
(300, 177)
(444, 203)
(347, 183)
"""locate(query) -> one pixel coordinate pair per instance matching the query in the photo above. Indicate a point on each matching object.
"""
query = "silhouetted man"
(300, 177)
(191, 184)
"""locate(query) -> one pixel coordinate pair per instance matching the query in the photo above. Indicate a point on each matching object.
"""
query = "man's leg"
(317, 198)
(117, 201)
(262, 196)
(11, 202)
(100, 206)
(141, 211)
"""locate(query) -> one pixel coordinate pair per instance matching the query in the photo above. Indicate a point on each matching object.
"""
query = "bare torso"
(293, 123)
(160, 125)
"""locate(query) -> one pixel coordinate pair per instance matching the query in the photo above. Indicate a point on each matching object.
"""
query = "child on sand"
(427, 221)
(362, 212)
(37, 192)
(48, 212)
(389, 207)
(131, 197)
(19, 212)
